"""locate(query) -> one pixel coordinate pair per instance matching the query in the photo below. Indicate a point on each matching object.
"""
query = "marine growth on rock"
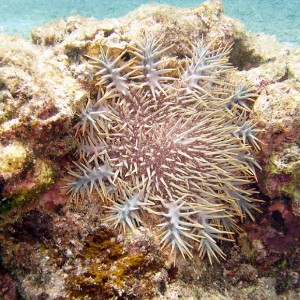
(170, 152)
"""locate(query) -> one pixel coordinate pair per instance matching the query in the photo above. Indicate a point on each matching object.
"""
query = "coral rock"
(13, 158)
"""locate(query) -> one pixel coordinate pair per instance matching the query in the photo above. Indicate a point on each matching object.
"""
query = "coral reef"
(19, 193)
(7, 287)
(279, 108)
(14, 157)
(71, 256)
(51, 249)
(37, 101)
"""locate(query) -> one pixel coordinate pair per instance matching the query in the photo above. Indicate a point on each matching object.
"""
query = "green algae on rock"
(277, 111)
(278, 108)
(21, 193)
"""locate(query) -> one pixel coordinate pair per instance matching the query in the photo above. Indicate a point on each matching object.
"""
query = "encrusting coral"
(175, 151)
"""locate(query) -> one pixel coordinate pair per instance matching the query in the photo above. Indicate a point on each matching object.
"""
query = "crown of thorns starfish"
(171, 150)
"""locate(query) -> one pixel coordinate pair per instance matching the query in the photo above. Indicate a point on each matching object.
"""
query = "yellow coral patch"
(12, 159)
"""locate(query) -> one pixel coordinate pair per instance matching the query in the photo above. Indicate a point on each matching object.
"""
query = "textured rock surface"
(13, 157)
(77, 37)
(36, 89)
(279, 108)
(38, 97)
(277, 112)
(53, 250)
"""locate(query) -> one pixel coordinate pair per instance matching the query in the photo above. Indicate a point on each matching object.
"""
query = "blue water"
(280, 18)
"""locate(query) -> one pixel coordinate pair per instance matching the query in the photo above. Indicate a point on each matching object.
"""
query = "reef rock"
(278, 107)
(79, 37)
(54, 250)
(277, 112)
(38, 100)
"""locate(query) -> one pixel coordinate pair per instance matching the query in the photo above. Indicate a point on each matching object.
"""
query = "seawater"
(275, 17)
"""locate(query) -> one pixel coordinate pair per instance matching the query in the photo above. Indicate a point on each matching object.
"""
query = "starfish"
(171, 150)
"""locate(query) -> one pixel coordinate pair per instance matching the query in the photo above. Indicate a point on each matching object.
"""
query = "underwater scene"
(273, 17)
(149, 150)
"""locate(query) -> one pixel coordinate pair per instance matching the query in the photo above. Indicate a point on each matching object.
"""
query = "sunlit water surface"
(274, 17)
